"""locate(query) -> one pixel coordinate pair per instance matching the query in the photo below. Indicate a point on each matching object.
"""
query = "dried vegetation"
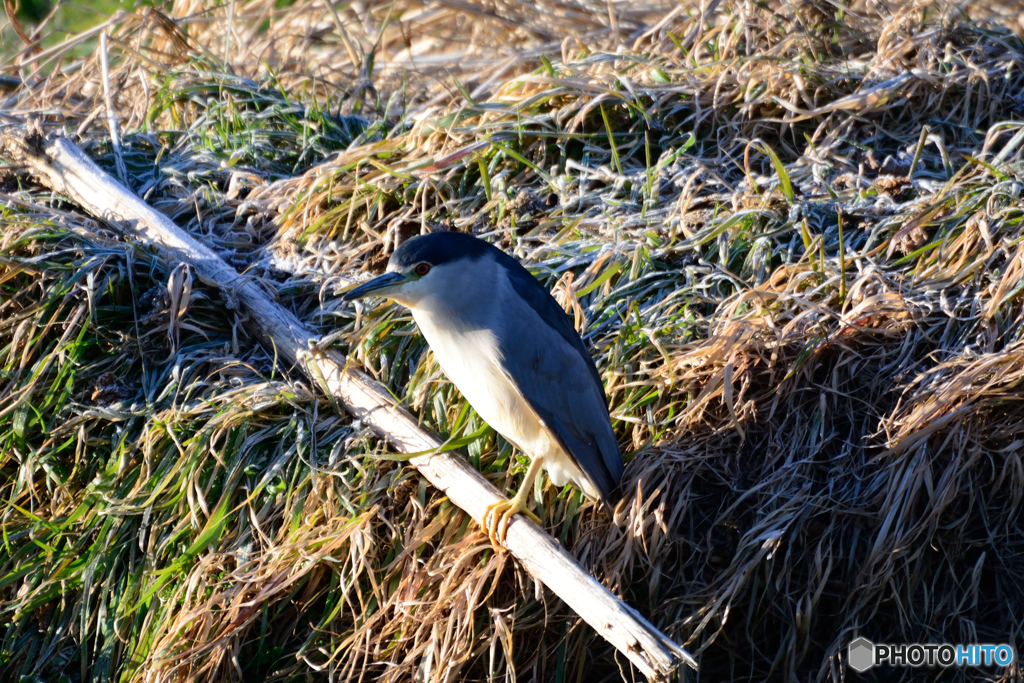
(790, 232)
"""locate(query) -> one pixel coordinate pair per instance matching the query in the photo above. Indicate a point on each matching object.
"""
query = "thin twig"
(112, 125)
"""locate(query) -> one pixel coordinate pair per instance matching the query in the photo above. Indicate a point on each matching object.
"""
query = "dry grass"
(790, 233)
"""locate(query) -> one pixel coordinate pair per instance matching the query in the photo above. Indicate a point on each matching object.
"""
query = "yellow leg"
(499, 515)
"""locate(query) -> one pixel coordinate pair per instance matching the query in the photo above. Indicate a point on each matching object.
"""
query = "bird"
(513, 352)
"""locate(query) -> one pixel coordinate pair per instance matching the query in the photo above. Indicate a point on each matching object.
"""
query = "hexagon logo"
(861, 654)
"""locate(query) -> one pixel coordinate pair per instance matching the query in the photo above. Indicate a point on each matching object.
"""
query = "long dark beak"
(378, 286)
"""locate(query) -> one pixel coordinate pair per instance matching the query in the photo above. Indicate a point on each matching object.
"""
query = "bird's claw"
(499, 515)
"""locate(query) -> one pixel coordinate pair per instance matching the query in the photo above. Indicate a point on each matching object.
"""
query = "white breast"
(471, 361)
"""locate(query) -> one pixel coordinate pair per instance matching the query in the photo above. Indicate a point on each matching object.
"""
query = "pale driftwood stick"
(63, 167)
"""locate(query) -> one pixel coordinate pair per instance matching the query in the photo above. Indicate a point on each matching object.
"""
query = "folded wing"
(552, 369)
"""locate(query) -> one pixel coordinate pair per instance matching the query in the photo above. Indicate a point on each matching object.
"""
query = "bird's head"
(423, 266)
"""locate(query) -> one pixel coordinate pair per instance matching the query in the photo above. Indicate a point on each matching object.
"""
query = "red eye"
(422, 269)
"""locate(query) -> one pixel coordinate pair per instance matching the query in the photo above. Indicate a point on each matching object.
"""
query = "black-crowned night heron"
(515, 356)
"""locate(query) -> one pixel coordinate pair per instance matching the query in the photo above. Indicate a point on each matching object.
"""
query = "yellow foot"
(499, 515)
